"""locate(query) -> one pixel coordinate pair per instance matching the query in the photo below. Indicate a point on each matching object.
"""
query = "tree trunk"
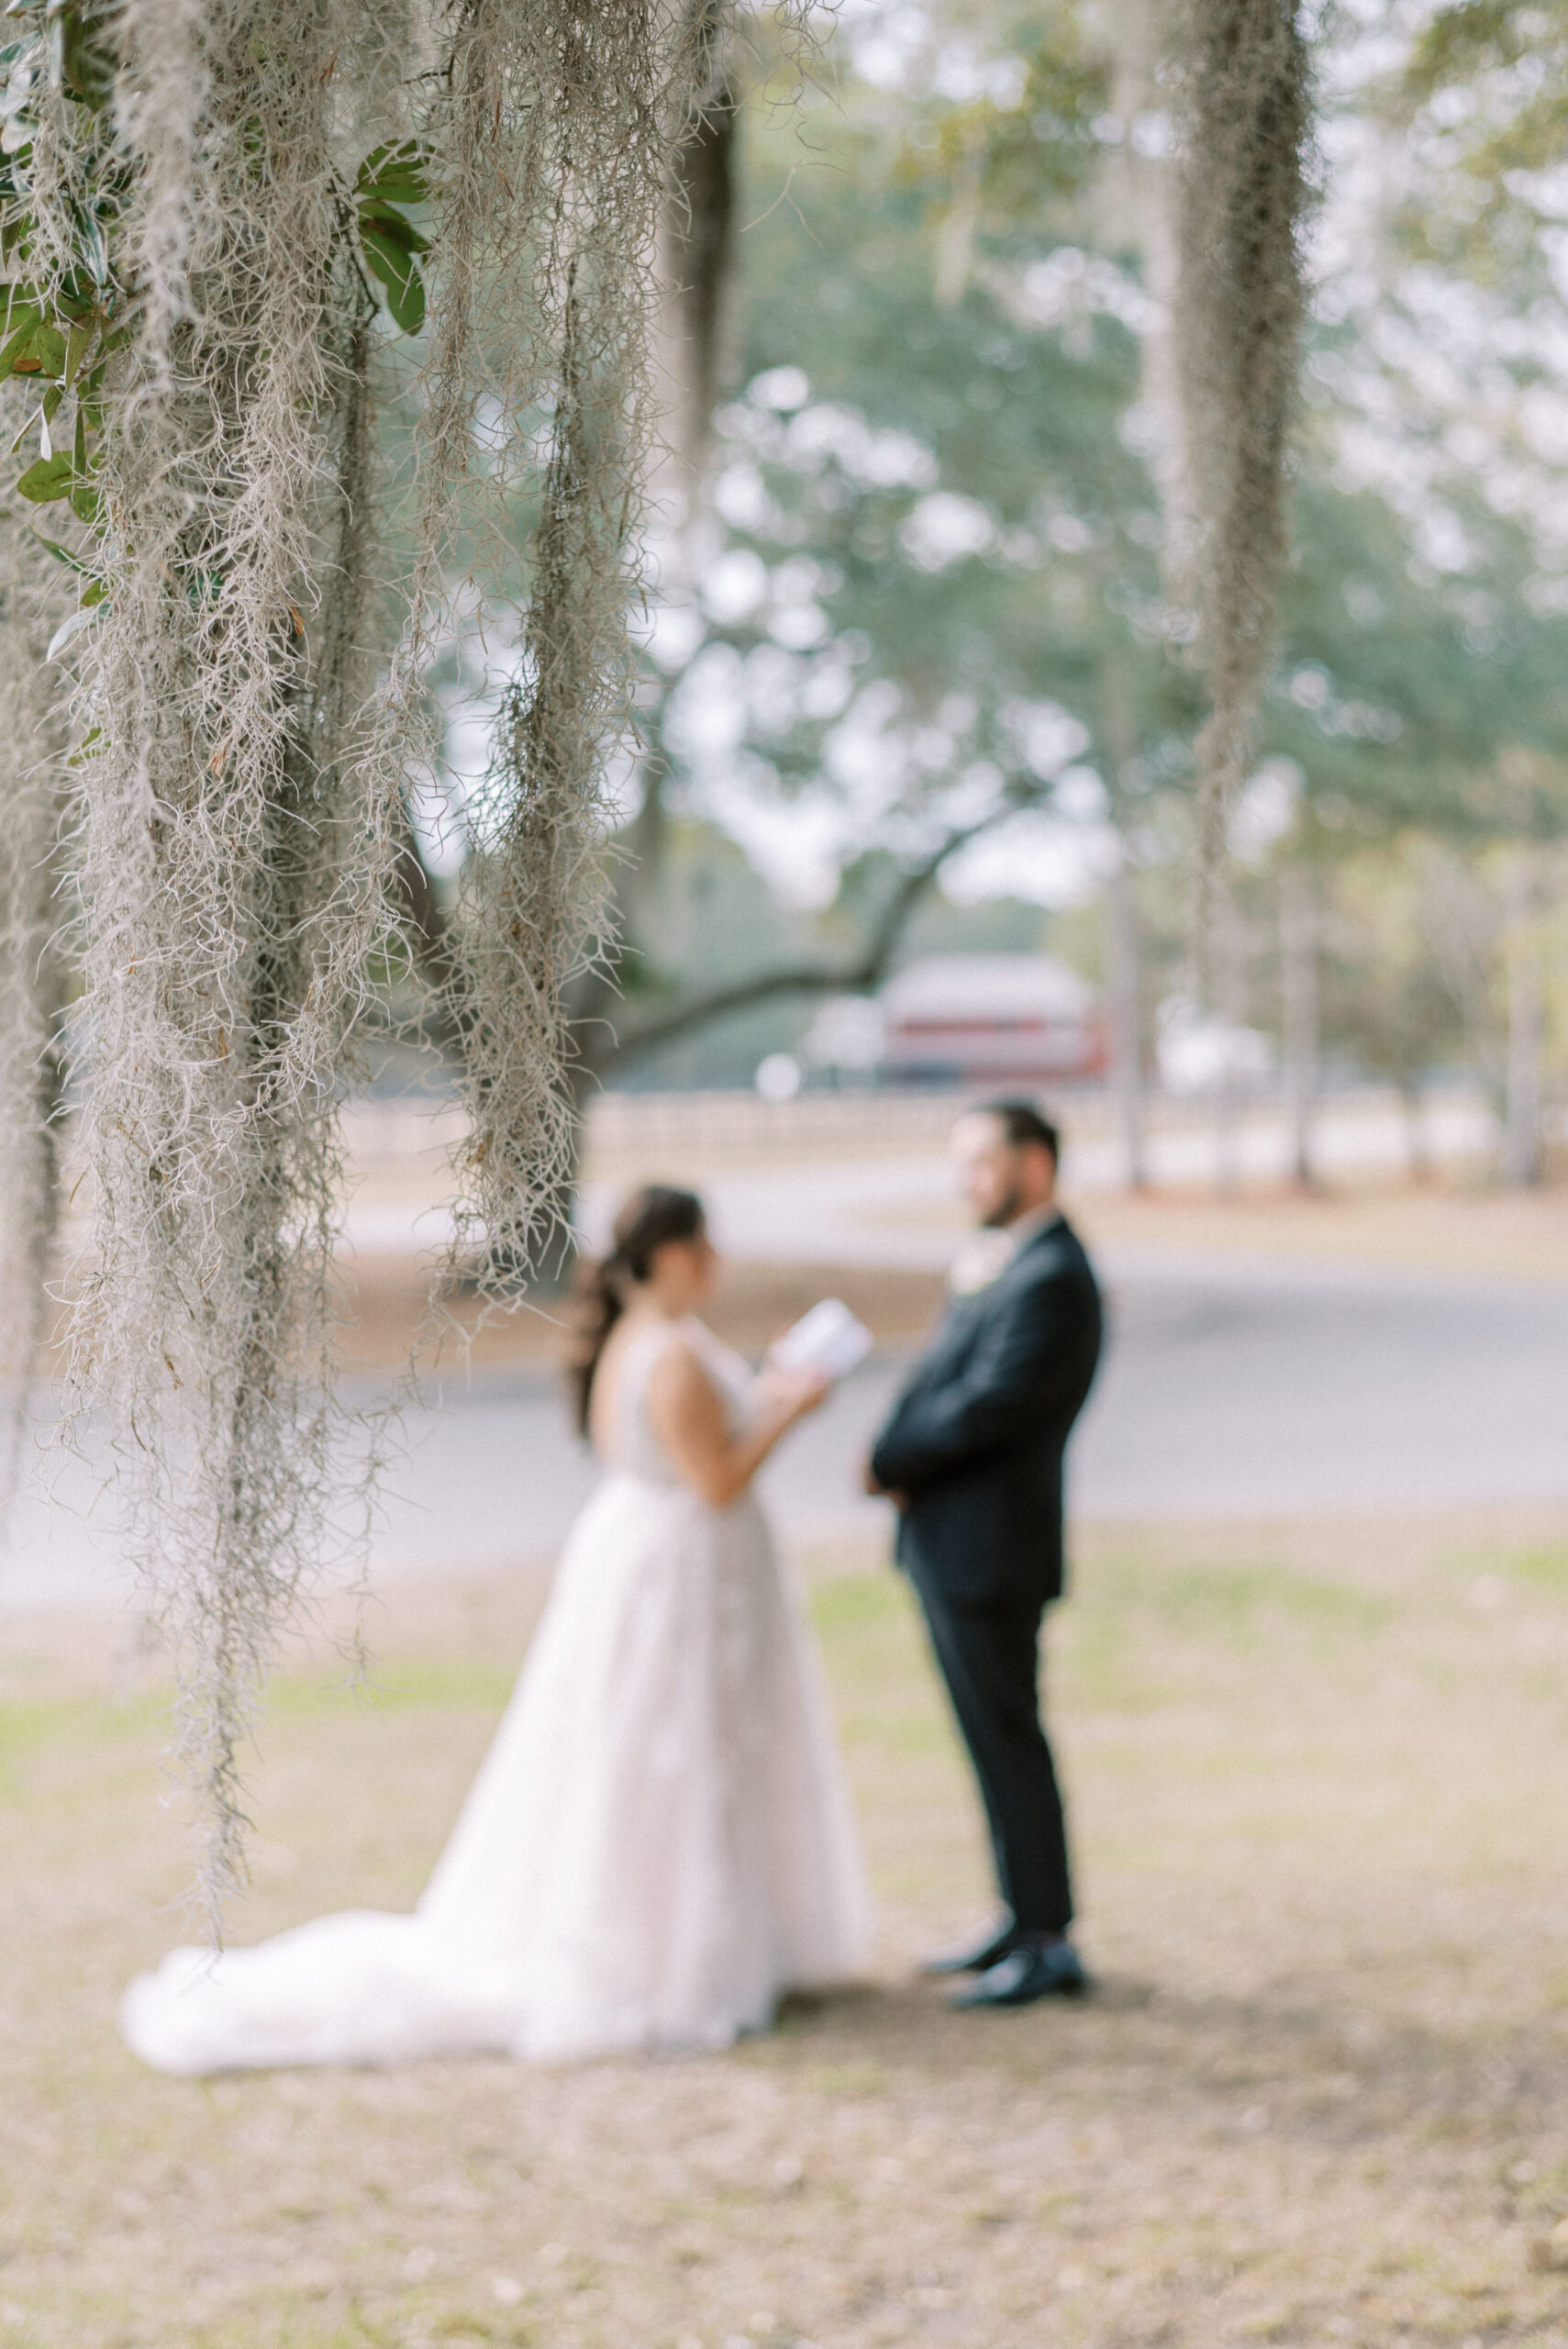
(1526, 1023)
(1229, 1005)
(1298, 988)
(1417, 1160)
(1126, 1025)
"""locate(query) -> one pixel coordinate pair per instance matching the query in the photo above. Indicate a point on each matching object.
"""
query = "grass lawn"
(1319, 1777)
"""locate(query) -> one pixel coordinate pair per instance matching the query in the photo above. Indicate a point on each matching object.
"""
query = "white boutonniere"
(978, 1265)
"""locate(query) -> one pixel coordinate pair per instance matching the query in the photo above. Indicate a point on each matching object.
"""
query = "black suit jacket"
(977, 1437)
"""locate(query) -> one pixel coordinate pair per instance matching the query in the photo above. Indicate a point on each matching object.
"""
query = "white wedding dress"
(658, 1844)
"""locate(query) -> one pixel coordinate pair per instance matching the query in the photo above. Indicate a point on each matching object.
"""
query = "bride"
(659, 1842)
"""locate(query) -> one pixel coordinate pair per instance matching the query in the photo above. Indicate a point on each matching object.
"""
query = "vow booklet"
(829, 1339)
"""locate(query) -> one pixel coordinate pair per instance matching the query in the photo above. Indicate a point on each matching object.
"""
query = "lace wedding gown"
(656, 1844)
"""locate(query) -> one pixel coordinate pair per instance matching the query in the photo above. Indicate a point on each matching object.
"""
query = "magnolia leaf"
(20, 342)
(79, 620)
(389, 222)
(88, 63)
(51, 477)
(96, 249)
(394, 187)
(400, 172)
(73, 561)
(399, 272)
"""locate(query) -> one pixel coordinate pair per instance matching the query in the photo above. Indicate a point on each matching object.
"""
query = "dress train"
(657, 1845)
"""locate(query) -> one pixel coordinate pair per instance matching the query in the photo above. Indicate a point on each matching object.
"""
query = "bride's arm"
(688, 1416)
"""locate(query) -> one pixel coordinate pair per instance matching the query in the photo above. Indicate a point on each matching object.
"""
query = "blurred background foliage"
(913, 680)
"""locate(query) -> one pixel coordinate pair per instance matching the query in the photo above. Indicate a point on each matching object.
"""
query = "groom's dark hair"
(1021, 1122)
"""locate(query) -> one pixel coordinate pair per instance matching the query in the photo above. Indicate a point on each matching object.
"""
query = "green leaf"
(394, 187)
(97, 247)
(78, 452)
(51, 400)
(51, 477)
(88, 63)
(86, 502)
(19, 346)
(73, 561)
(82, 619)
(389, 222)
(76, 347)
(399, 272)
(400, 172)
(49, 344)
(92, 594)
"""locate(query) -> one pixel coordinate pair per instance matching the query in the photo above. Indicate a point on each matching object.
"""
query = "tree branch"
(866, 970)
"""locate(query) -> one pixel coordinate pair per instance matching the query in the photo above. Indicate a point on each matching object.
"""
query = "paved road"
(1231, 1389)
(899, 1209)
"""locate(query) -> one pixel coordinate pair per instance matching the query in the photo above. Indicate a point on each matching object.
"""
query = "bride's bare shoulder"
(683, 1355)
(664, 1356)
(681, 1375)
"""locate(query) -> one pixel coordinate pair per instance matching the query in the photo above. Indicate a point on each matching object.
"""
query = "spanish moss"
(1243, 88)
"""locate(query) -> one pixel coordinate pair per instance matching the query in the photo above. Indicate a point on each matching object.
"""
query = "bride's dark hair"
(648, 1220)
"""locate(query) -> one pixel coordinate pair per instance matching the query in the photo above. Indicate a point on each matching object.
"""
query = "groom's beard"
(1007, 1210)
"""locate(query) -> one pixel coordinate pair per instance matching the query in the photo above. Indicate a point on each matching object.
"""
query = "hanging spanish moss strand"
(697, 251)
(235, 835)
(1244, 117)
(533, 896)
(32, 961)
(591, 94)
(690, 356)
(223, 171)
(163, 99)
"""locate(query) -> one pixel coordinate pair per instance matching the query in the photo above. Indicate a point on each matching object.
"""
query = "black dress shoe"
(974, 1957)
(1028, 1971)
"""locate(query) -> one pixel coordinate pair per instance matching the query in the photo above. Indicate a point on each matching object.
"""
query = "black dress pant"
(989, 1657)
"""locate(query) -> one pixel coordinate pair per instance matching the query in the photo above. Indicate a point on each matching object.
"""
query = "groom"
(973, 1456)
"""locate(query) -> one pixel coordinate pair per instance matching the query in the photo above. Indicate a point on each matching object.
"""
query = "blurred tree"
(925, 610)
(1390, 1004)
(871, 668)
